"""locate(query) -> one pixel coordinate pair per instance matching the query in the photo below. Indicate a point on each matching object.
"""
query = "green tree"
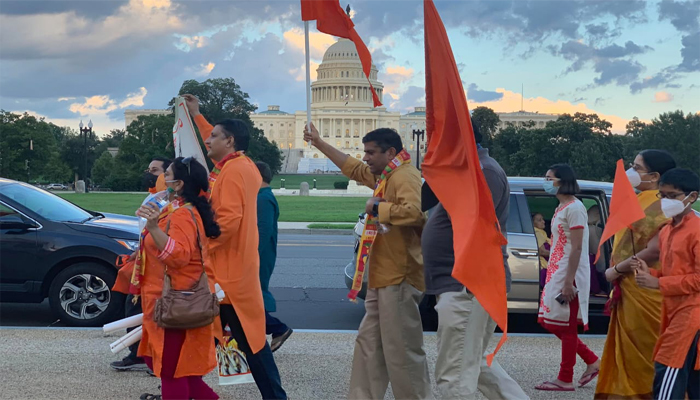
(674, 132)
(74, 148)
(223, 98)
(102, 169)
(487, 120)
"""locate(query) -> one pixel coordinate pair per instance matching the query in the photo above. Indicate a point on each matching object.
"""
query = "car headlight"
(132, 245)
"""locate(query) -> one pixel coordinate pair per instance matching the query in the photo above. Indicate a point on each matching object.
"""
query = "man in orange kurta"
(234, 185)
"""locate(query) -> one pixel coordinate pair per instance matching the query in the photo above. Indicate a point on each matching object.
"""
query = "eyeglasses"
(187, 161)
(662, 195)
(638, 168)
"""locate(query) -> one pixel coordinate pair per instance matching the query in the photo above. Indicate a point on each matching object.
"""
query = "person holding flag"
(389, 345)
(233, 192)
(564, 301)
(631, 307)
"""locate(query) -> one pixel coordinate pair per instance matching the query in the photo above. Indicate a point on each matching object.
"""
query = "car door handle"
(525, 253)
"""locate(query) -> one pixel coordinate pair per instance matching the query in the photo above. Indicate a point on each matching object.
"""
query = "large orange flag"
(453, 172)
(624, 206)
(332, 20)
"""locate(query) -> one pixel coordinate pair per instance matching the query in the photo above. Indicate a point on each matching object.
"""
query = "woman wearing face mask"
(627, 369)
(564, 302)
(176, 238)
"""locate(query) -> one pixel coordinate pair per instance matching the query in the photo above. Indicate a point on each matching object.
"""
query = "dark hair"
(536, 214)
(196, 180)
(658, 160)
(166, 161)
(567, 179)
(682, 179)
(385, 138)
(239, 131)
(477, 133)
(265, 171)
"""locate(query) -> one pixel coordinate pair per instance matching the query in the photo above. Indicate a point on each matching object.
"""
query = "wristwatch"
(375, 209)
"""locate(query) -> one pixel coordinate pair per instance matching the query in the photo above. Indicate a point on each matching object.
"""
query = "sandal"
(553, 387)
(586, 379)
(148, 396)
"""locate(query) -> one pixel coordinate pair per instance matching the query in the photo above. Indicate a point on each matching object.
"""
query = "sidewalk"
(74, 364)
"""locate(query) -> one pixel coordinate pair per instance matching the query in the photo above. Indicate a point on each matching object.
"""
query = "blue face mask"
(550, 188)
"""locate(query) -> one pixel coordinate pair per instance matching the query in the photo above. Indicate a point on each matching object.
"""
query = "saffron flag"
(332, 20)
(185, 140)
(624, 206)
(452, 170)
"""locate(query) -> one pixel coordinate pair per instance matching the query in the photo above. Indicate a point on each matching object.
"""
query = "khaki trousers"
(464, 331)
(389, 347)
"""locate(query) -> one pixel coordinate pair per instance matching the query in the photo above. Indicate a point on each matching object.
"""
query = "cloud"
(663, 97)
(66, 98)
(318, 42)
(685, 17)
(690, 53)
(102, 105)
(412, 97)
(188, 43)
(299, 74)
(474, 94)
(201, 70)
(661, 79)
(394, 78)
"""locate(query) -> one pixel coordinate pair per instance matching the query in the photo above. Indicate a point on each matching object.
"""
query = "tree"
(102, 169)
(28, 149)
(222, 98)
(73, 151)
(674, 132)
(487, 120)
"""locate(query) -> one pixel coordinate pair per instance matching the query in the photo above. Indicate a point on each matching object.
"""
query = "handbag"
(187, 309)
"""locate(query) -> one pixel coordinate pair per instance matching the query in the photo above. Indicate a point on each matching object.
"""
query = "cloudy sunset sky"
(72, 60)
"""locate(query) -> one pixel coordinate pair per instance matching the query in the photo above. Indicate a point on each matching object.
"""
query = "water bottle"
(160, 200)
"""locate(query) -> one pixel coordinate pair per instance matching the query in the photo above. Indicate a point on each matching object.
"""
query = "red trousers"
(571, 345)
(187, 387)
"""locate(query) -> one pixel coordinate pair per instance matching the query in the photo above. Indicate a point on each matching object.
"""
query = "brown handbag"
(187, 309)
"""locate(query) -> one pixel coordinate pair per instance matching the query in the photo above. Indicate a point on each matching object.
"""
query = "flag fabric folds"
(453, 171)
(624, 207)
(332, 20)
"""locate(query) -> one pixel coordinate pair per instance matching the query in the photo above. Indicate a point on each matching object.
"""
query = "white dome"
(342, 50)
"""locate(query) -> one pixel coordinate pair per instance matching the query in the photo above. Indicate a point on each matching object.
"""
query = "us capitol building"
(343, 112)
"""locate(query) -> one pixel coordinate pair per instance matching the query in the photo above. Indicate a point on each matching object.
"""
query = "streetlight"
(85, 132)
(417, 135)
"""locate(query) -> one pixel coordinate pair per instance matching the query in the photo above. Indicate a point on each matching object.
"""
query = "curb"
(308, 231)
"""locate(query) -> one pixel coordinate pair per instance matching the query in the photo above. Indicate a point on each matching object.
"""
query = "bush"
(340, 185)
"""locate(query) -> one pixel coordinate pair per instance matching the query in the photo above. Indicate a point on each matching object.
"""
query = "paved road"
(60, 364)
(308, 284)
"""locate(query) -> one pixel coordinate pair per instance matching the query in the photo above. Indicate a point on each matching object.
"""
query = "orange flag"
(332, 20)
(453, 172)
(624, 206)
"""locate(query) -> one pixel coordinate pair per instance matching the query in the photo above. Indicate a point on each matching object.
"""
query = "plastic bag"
(233, 366)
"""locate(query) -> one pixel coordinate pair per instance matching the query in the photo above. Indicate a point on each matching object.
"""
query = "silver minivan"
(527, 198)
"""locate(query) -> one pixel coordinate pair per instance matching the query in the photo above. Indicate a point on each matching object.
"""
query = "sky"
(92, 59)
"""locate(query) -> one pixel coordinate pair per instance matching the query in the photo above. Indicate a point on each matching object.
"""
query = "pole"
(308, 75)
(85, 167)
(418, 152)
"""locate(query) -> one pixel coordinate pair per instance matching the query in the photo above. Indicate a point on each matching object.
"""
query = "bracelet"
(617, 270)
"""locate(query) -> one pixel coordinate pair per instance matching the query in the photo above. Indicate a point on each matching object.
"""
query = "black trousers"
(131, 309)
(262, 364)
(675, 383)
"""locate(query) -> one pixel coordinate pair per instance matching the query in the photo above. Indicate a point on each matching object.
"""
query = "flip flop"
(553, 387)
(586, 379)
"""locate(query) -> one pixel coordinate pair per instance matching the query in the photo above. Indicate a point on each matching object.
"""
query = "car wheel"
(80, 295)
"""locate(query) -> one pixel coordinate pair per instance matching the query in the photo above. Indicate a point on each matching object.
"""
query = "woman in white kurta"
(568, 277)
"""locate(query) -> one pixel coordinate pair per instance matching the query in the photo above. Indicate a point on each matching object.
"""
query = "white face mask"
(634, 177)
(673, 207)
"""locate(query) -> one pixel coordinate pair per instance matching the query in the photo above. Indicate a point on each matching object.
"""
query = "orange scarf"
(218, 167)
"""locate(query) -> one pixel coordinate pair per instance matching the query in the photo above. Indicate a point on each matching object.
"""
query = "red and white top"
(567, 217)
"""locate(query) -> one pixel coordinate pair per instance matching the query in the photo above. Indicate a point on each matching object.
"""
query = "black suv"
(49, 247)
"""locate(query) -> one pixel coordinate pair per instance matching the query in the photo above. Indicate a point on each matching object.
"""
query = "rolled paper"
(127, 340)
(125, 323)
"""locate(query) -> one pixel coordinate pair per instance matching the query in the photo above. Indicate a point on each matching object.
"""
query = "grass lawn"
(323, 182)
(331, 226)
(292, 208)
(696, 206)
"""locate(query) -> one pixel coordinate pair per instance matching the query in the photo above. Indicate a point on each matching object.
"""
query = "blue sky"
(72, 60)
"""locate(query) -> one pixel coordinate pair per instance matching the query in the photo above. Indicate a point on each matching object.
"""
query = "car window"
(514, 225)
(45, 204)
(9, 215)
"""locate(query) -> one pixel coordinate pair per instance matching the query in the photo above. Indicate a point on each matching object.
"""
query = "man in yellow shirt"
(389, 345)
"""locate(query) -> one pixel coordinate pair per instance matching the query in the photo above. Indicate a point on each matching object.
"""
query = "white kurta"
(567, 217)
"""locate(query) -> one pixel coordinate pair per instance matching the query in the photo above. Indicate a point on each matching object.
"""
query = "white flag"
(185, 139)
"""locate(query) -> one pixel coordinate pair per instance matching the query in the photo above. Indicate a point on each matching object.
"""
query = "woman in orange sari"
(627, 367)
(175, 238)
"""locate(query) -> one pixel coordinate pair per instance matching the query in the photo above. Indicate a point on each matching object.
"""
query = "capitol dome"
(340, 81)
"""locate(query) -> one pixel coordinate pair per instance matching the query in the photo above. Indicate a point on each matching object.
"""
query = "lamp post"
(417, 135)
(85, 132)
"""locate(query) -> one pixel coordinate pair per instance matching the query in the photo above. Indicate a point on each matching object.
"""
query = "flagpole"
(308, 75)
